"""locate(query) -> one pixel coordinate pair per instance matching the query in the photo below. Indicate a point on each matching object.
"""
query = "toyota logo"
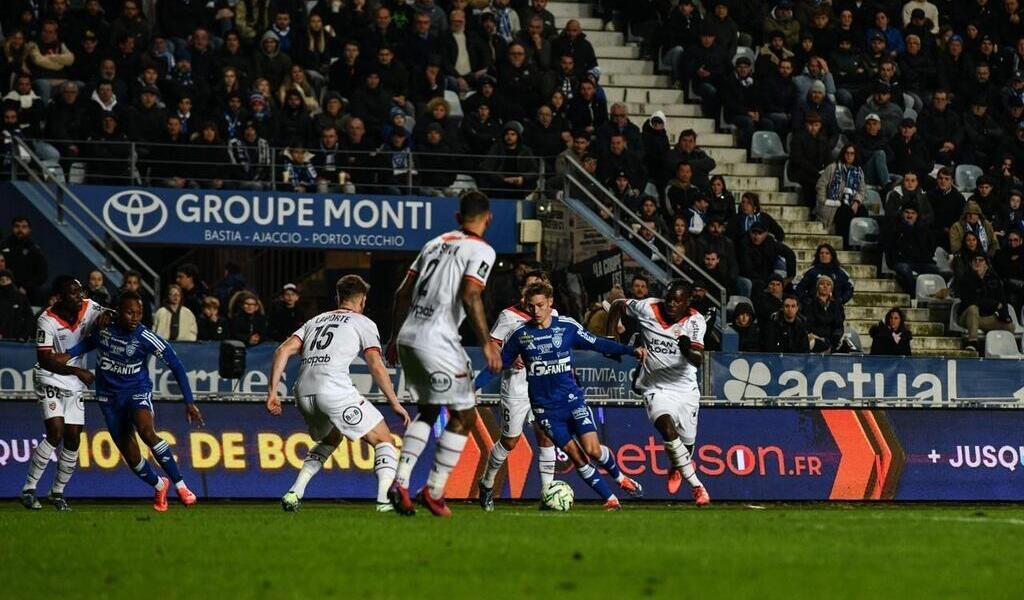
(135, 213)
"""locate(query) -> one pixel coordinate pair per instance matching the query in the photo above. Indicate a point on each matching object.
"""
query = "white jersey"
(513, 381)
(436, 311)
(666, 367)
(330, 342)
(55, 334)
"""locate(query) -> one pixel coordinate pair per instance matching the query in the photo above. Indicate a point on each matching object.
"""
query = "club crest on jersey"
(40, 336)
(131, 348)
(352, 415)
(556, 336)
(483, 270)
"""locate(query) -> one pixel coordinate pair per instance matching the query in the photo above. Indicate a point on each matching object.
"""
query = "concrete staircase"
(627, 78)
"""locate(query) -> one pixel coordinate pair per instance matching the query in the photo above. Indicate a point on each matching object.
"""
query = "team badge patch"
(53, 406)
(40, 336)
(352, 415)
(440, 382)
(556, 336)
(483, 270)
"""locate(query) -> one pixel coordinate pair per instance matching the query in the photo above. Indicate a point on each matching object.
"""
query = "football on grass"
(558, 496)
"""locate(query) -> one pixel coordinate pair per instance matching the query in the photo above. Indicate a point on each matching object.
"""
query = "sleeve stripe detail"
(372, 349)
(153, 339)
(697, 345)
(475, 280)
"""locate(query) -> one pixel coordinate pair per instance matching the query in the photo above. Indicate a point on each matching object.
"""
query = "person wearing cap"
(915, 9)
(809, 151)
(725, 28)
(510, 169)
(285, 314)
(910, 153)
(781, 19)
(145, 120)
(1014, 89)
(771, 54)
(16, 322)
(88, 54)
(707, 66)
(817, 101)
(480, 129)
(741, 102)
(881, 105)
(908, 247)
(874, 150)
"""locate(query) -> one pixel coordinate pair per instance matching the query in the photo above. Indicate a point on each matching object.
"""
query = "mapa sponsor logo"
(751, 381)
(135, 213)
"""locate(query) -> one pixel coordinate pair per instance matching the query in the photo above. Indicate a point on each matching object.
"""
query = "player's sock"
(416, 437)
(65, 469)
(449, 449)
(594, 480)
(315, 460)
(681, 459)
(608, 464)
(385, 463)
(146, 473)
(163, 454)
(546, 465)
(499, 453)
(40, 457)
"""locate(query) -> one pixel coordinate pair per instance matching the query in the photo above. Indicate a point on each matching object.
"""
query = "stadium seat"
(854, 337)
(733, 303)
(886, 269)
(927, 286)
(967, 177)
(767, 145)
(845, 118)
(1017, 329)
(1001, 344)
(943, 260)
(954, 326)
(864, 232)
(909, 113)
(722, 125)
(787, 183)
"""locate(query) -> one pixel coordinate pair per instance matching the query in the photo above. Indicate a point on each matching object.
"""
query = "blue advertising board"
(289, 220)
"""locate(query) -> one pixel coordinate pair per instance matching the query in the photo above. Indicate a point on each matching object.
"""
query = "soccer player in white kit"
(443, 286)
(59, 387)
(515, 405)
(673, 334)
(325, 395)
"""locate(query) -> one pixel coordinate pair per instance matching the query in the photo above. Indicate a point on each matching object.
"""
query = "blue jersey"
(122, 361)
(548, 360)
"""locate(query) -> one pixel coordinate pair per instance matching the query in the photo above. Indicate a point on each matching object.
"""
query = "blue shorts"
(564, 424)
(119, 410)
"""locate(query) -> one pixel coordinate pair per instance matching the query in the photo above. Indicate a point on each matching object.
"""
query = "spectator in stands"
(173, 320)
(269, 61)
(881, 105)
(545, 137)
(942, 129)
(211, 326)
(809, 152)
(209, 158)
(563, 78)
(299, 173)
(909, 152)
(597, 314)
(780, 19)
(133, 283)
(840, 190)
(621, 157)
(49, 59)
(909, 247)
(686, 149)
(587, 112)
(31, 108)
(325, 159)
(817, 102)
(722, 202)
(520, 85)
(248, 323)
(618, 123)
(621, 188)
(436, 163)
(193, 289)
(786, 331)
(771, 55)
(983, 303)
(108, 152)
(972, 220)
(947, 203)
(909, 190)
(16, 319)
(750, 213)
(826, 264)
(707, 68)
(779, 95)
(170, 158)
(768, 300)
(712, 265)
(146, 119)
(744, 323)
(393, 164)
(714, 238)
(481, 129)
(825, 317)
(962, 260)
(96, 288)
(66, 119)
(1010, 216)
(24, 259)
(917, 68)
(741, 102)
(510, 166)
(891, 336)
(680, 193)
(760, 256)
(285, 315)
(988, 199)
(684, 243)
(1009, 264)
(874, 151)
(574, 42)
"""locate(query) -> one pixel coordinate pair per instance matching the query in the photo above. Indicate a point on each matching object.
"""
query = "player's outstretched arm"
(380, 375)
(403, 300)
(472, 296)
(170, 358)
(286, 350)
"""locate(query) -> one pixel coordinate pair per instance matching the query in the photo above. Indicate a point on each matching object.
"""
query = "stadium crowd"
(883, 97)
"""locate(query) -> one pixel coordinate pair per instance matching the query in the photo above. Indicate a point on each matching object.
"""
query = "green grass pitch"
(337, 550)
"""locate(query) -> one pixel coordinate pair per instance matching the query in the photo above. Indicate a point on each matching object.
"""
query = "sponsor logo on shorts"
(440, 382)
(352, 415)
(53, 406)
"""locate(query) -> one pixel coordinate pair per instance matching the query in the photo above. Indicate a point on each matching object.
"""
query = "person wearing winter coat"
(744, 323)
(973, 220)
(826, 264)
(825, 317)
(269, 61)
(809, 152)
(760, 256)
(749, 214)
(786, 331)
(891, 336)
(840, 191)
(510, 168)
(983, 302)
(909, 190)
(655, 144)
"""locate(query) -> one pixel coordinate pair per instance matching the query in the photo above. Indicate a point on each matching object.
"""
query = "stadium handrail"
(60, 194)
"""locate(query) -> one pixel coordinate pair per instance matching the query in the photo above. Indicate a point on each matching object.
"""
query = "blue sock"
(594, 480)
(146, 472)
(608, 463)
(162, 452)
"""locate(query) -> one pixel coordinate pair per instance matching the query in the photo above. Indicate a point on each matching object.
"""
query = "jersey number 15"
(322, 337)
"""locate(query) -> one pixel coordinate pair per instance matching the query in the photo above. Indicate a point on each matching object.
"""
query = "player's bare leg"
(682, 461)
(40, 458)
(446, 457)
(604, 457)
(65, 466)
(143, 419)
(315, 459)
(581, 460)
(415, 440)
(385, 463)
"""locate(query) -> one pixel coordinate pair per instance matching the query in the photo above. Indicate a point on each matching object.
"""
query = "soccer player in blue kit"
(545, 344)
(125, 394)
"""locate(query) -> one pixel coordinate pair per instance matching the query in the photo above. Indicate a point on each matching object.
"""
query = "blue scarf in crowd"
(844, 177)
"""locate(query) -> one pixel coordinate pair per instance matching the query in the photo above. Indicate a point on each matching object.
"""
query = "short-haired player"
(673, 334)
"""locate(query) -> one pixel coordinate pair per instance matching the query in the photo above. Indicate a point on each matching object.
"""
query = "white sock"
(159, 485)
(416, 437)
(499, 454)
(449, 449)
(546, 465)
(180, 485)
(65, 469)
(681, 459)
(385, 463)
(37, 464)
(315, 460)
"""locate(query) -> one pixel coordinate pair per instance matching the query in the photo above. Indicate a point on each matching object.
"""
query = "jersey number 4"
(322, 337)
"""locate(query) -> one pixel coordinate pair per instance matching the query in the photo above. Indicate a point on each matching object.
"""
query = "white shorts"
(515, 414)
(353, 416)
(56, 402)
(438, 379)
(682, 406)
